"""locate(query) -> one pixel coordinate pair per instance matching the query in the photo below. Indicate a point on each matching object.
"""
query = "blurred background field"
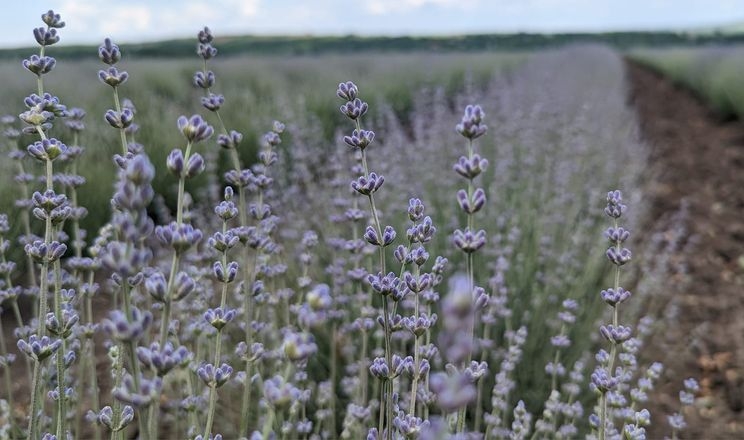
(563, 130)
(261, 89)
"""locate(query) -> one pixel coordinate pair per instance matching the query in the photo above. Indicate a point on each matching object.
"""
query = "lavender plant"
(299, 296)
(53, 209)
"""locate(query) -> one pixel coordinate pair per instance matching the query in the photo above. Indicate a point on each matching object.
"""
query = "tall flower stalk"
(242, 180)
(603, 379)
(219, 317)
(470, 201)
(367, 185)
(53, 209)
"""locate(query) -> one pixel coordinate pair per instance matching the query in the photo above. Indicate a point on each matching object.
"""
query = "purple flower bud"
(560, 341)
(422, 232)
(388, 236)
(204, 81)
(180, 237)
(113, 77)
(222, 242)
(219, 317)
(371, 236)
(271, 139)
(39, 65)
(417, 285)
(122, 329)
(229, 141)
(299, 346)
(109, 52)
(46, 37)
(47, 149)
(603, 381)
(415, 210)
(268, 158)
(163, 361)
(440, 265)
(619, 257)
(259, 212)
(121, 119)
(468, 241)
(319, 298)
(105, 417)
(225, 276)
(156, 286)
(52, 20)
(470, 168)
(677, 421)
(280, 393)
(49, 200)
(686, 398)
(410, 426)
(213, 102)
(471, 204)
(41, 252)
(360, 139)
(206, 51)
(691, 385)
(399, 365)
(195, 165)
(182, 286)
(384, 285)
(402, 255)
(379, 368)
(615, 207)
(194, 129)
(419, 256)
(418, 325)
(616, 335)
(617, 236)
(39, 348)
(205, 36)
(347, 91)
(175, 162)
(367, 185)
(354, 109)
(61, 329)
(214, 377)
(614, 297)
(481, 298)
(470, 126)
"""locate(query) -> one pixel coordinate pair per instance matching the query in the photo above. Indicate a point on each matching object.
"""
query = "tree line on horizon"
(311, 45)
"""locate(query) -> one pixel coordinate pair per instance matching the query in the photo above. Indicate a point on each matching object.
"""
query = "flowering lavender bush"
(362, 291)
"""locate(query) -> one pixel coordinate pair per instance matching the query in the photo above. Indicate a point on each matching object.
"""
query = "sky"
(89, 21)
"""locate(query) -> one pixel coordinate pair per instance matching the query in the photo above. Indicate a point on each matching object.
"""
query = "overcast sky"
(89, 21)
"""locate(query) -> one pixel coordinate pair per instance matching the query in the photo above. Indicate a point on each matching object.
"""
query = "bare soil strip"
(697, 157)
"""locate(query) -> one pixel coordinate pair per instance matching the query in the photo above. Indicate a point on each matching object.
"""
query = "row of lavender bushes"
(301, 294)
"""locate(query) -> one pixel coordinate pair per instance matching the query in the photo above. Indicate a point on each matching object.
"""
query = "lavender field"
(367, 246)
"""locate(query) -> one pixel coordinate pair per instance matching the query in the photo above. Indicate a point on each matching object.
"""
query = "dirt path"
(697, 157)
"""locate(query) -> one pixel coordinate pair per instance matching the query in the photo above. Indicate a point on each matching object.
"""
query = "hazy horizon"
(139, 21)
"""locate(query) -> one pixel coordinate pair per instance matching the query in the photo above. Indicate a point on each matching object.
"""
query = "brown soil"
(698, 157)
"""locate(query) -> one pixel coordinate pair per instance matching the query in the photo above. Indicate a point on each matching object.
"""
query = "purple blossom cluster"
(287, 300)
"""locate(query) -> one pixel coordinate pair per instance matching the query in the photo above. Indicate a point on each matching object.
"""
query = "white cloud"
(87, 18)
(244, 8)
(384, 7)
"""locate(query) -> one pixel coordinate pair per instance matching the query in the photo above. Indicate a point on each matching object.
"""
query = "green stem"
(61, 402)
(164, 321)
(334, 373)
(217, 352)
(122, 134)
(6, 374)
(33, 425)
